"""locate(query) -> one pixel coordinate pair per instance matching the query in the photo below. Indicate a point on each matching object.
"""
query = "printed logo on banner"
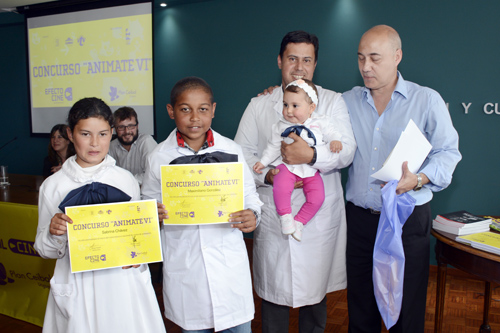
(113, 93)
(57, 95)
(8, 277)
(3, 276)
(23, 247)
(68, 93)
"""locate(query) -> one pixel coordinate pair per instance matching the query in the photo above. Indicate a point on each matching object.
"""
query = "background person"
(60, 148)
(130, 148)
(288, 273)
(379, 112)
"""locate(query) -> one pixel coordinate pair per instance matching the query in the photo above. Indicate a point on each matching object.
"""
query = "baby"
(299, 102)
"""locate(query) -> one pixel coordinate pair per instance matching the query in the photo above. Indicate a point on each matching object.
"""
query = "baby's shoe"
(287, 224)
(298, 231)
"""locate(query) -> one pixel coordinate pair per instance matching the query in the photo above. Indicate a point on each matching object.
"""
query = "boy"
(206, 273)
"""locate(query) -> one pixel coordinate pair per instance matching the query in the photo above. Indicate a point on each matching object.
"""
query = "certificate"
(201, 193)
(113, 235)
(413, 147)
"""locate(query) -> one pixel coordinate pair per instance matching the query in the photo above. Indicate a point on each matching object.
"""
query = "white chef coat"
(108, 300)
(323, 132)
(206, 273)
(288, 272)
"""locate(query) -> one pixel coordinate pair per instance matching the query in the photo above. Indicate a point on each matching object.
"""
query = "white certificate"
(412, 146)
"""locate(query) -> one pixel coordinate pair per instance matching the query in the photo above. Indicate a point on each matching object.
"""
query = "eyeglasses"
(122, 128)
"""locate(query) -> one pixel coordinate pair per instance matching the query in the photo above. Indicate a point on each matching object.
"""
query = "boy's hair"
(296, 89)
(300, 36)
(89, 107)
(125, 112)
(188, 83)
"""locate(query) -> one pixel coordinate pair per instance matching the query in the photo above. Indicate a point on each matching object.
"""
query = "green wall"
(450, 46)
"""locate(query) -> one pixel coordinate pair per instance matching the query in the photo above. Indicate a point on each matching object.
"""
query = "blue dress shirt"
(377, 135)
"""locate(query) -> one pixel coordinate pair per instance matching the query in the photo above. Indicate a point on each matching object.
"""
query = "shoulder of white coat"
(274, 97)
(126, 180)
(222, 142)
(327, 94)
(51, 182)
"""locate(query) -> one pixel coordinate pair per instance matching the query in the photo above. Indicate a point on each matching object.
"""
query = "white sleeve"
(47, 245)
(246, 137)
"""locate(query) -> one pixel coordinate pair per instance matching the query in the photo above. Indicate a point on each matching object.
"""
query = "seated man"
(130, 148)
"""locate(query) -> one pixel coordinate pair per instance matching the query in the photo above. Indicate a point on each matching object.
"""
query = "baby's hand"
(58, 224)
(335, 146)
(258, 166)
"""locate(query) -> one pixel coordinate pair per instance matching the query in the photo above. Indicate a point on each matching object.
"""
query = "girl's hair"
(188, 83)
(53, 156)
(296, 89)
(89, 107)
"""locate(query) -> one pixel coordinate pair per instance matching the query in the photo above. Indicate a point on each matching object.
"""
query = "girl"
(299, 102)
(60, 148)
(109, 300)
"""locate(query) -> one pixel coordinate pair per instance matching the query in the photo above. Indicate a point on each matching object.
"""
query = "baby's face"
(296, 107)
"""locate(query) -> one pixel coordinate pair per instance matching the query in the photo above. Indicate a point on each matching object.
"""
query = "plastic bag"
(388, 253)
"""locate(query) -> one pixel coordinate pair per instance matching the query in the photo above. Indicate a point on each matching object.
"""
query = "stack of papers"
(486, 241)
(461, 223)
(495, 223)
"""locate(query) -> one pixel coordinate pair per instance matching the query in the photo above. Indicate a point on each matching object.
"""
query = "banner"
(201, 193)
(113, 235)
(24, 275)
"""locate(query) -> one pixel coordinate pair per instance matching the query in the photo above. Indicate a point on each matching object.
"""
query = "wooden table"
(22, 189)
(483, 265)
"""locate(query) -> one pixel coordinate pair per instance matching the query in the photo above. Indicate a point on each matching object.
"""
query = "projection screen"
(105, 53)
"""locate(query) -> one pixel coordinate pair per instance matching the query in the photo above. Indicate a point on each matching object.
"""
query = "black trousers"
(275, 318)
(361, 231)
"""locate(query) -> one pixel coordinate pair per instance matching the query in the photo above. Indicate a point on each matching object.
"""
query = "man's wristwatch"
(257, 215)
(419, 183)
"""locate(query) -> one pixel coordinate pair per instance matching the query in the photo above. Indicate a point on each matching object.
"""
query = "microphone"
(14, 139)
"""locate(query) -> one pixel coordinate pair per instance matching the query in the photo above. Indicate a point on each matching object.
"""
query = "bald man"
(379, 112)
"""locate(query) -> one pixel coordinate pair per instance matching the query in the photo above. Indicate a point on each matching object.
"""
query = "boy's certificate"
(201, 193)
(113, 235)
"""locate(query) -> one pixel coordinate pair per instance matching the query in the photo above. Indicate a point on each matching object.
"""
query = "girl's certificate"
(113, 235)
(201, 193)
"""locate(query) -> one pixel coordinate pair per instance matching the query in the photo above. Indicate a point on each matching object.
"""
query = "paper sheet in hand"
(113, 235)
(412, 146)
(201, 193)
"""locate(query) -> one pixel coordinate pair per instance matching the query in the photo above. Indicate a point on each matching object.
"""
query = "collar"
(208, 143)
(401, 88)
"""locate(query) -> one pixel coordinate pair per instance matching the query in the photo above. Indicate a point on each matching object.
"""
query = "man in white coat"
(288, 273)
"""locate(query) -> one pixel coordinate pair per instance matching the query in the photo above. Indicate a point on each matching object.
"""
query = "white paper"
(412, 146)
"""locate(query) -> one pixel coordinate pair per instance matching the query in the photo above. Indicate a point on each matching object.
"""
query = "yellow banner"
(24, 275)
(111, 59)
(113, 235)
(201, 193)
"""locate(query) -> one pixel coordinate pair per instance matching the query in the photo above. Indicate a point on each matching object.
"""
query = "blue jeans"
(243, 328)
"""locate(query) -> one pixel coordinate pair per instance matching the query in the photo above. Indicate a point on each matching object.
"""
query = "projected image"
(105, 53)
